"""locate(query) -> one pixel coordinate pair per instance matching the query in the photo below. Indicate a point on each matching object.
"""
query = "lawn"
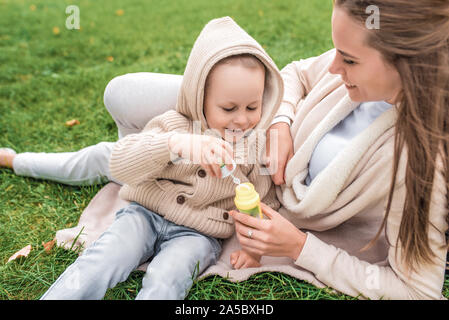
(51, 74)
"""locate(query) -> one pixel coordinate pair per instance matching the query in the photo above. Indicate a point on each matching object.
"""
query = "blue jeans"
(137, 234)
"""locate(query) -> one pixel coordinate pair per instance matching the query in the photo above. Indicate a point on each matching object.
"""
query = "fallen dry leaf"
(25, 77)
(72, 123)
(48, 245)
(24, 252)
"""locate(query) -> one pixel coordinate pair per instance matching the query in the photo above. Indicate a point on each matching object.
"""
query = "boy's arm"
(138, 157)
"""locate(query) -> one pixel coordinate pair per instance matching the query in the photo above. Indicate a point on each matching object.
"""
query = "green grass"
(47, 79)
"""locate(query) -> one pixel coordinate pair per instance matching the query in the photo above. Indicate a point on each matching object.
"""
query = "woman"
(401, 64)
(355, 176)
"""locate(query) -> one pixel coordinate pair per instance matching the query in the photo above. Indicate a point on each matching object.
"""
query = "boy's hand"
(242, 259)
(207, 151)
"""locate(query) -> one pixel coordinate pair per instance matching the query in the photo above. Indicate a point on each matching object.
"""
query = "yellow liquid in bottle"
(247, 199)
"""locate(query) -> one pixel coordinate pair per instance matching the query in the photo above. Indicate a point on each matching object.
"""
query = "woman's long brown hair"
(413, 36)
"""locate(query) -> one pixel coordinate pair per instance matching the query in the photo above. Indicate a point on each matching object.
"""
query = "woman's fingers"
(255, 244)
(251, 245)
(248, 232)
(279, 176)
(253, 222)
(248, 220)
(279, 153)
(268, 211)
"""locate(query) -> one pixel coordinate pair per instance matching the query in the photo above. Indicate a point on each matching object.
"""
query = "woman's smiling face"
(366, 74)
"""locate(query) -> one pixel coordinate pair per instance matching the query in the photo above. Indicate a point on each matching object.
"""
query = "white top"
(336, 139)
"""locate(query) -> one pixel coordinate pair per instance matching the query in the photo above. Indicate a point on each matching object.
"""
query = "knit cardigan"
(344, 205)
(182, 192)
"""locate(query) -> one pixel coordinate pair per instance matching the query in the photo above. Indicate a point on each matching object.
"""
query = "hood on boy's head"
(221, 38)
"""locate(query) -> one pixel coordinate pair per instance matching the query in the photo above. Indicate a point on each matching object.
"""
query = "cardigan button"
(180, 199)
(225, 215)
(201, 173)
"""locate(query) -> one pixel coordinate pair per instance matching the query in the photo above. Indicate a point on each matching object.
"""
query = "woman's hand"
(275, 236)
(207, 151)
(278, 161)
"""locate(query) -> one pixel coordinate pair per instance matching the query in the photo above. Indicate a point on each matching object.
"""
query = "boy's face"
(233, 99)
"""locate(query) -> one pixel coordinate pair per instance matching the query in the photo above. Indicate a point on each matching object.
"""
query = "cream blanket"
(100, 213)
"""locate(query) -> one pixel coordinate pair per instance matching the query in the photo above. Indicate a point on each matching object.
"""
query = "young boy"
(178, 210)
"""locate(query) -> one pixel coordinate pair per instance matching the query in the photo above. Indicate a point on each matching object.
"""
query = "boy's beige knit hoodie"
(179, 191)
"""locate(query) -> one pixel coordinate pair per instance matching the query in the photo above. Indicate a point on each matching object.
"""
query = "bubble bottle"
(247, 200)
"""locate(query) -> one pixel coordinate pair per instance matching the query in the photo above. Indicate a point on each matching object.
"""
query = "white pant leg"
(132, 100)
(84, 167)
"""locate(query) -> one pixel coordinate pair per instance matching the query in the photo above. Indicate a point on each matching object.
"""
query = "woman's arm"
(278, 152)
(299, 78)
(339, 270)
